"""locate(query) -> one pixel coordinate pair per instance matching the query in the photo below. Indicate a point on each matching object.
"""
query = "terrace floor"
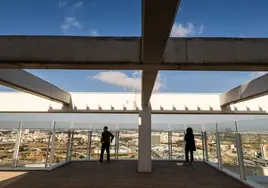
(121, 174)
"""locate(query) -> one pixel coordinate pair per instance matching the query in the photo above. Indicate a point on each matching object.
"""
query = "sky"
(206, 18)
(123, 18)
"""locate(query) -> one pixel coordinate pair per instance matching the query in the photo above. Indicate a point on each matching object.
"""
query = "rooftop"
(124, 174)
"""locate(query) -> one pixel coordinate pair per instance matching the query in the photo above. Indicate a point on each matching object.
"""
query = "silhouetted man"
(189, 146)
(106, 138)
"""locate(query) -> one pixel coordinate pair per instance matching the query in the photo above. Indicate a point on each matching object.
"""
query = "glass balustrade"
(128, 144)
(240, 146)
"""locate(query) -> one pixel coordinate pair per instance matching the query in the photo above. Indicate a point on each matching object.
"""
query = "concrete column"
(144, 157)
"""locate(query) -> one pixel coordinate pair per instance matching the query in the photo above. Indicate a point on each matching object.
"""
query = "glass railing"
(211, 143)
(128, 144)
(240, 146)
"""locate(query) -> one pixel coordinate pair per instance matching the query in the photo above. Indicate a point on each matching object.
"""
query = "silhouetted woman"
(189, 145)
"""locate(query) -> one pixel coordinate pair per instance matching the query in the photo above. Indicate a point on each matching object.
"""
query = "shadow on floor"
(121, 174)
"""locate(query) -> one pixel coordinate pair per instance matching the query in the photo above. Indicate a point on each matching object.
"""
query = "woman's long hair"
(189, 131)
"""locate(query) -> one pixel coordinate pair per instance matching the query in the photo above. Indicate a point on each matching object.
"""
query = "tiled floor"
(120, 174)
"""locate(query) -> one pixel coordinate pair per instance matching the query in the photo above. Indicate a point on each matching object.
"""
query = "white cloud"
(62, 3)
(257, 74)
(94, 32)
(180, 30)
(70, 22)
(78, 4)
(128, 82)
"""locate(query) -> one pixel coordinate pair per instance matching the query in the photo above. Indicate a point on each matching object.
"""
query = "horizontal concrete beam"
(188, 112)
(34, 52)
(250, 90)
(66, 50)
(157, 21)
(217, 50)
(148, 81)
(24, 81)
(155, 13)
(166, 103)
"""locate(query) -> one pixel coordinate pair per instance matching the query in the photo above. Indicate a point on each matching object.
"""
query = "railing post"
(170, 144)
(52, 145)
(203, 146)
(17, 146)
(71, 147)
(184, 133)
(68, 146)
(89, 143)
(240, 155)
(206, 145)
(117, 144)
(48, 145)
(218, 147)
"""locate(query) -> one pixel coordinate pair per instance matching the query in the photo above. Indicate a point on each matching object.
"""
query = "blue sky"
(123, 18)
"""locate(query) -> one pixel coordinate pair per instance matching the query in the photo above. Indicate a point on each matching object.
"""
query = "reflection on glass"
(178, 145)
(60, 146)
(228, 148)
(198, 154)
(128, 144)
(7, 146)
(159, 142)
(255, 153)
(211, 145)
(80, 144)
(33, 148)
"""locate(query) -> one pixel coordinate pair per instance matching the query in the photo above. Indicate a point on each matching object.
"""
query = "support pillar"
(144, 156)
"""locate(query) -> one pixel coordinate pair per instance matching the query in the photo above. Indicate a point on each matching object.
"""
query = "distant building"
(155, 140)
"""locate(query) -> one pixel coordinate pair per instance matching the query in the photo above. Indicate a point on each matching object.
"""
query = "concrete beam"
(24, 81)
(250, 90)
(217, 51)
(54, 52)
(157, 21)
(68, 50)
(148, 81)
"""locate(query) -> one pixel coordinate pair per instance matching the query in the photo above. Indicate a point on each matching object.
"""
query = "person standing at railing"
(189, 146)
(106, 138)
